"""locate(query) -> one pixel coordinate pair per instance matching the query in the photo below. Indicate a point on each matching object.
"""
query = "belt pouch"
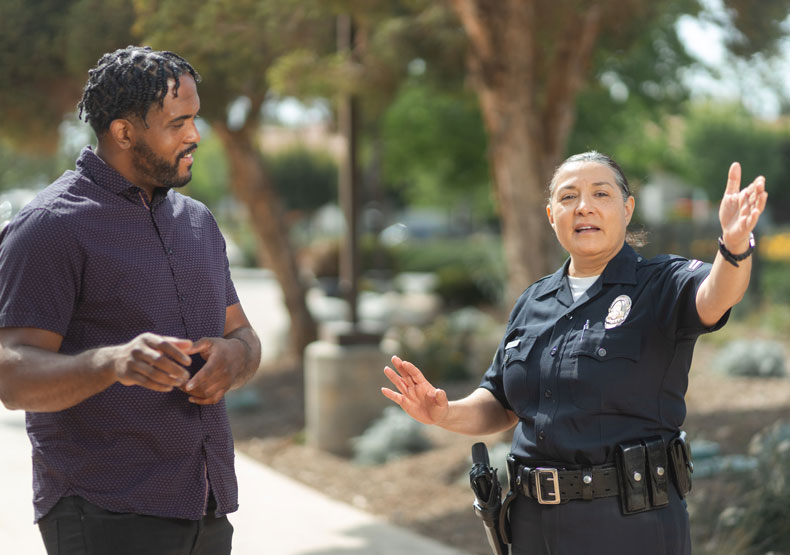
(658, 471)
(682, 467)
(631, 462)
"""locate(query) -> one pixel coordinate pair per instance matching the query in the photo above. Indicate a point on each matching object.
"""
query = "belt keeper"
(587, 484)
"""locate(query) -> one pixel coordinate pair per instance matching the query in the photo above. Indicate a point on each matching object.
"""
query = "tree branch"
(566, 77)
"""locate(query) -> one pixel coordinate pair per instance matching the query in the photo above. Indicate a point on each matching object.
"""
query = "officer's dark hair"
(127, 82)
(633, 238)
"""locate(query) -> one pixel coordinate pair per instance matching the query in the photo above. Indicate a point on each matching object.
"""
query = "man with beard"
(121, 331)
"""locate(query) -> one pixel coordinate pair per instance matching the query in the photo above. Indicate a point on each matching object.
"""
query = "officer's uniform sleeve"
(40, 269)
(676, 298)
(492, 379)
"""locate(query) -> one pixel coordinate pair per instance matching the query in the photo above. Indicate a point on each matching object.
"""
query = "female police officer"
(593, 370)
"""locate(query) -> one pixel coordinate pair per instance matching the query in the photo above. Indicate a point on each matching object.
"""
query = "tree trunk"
(252, 186)
(527, 92)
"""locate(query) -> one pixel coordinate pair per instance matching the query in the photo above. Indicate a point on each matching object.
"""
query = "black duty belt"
(551, 486)
(641, 476)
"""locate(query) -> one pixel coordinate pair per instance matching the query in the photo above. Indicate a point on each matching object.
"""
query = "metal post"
(348, 180)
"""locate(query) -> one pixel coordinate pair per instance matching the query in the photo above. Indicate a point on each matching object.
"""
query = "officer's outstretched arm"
(738, 214)
(477, 414)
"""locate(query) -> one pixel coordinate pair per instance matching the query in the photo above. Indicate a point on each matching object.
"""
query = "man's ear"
(122, 132)
(550, 215)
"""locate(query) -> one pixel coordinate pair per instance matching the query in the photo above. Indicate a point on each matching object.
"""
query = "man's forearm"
(38, 380)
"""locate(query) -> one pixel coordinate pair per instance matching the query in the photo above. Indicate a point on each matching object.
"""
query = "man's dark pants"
(76, 527)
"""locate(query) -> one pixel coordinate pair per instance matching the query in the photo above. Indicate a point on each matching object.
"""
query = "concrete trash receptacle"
(342, 392)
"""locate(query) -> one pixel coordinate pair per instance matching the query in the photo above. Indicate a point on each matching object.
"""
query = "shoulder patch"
(693, 265)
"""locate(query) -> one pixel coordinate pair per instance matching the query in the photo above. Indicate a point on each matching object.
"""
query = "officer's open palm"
(417, 397)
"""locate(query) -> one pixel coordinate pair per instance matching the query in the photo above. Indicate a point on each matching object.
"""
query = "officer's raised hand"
(739, 212)
(740, 209)
(417, 396)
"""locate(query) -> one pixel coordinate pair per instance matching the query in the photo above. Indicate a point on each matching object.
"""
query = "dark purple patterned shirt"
(89, 260)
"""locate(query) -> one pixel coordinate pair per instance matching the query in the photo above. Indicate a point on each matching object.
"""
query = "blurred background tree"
(465, 103)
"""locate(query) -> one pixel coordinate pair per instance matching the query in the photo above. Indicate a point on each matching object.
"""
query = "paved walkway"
(277, 516)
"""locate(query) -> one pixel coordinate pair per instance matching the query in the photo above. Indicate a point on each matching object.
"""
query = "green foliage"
(46, 48)
(775, 283)
(631, 132)
(232, 44)
(435, 147)
(305, 179)
(210, 173)
(471, 271)
(453, 347)
(716, 136)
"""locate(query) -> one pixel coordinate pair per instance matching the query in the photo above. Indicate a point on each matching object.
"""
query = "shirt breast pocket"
(520, 384)
(606, 371)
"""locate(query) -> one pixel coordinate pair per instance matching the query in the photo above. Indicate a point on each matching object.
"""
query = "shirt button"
(182, 298)
(541, 435)
(547, 394)
(208, 438)
(570, 316)
(553, 350)
(170, 250)
(601, 352)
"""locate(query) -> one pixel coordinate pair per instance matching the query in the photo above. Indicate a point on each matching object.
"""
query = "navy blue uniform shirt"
(611, 367)
(92, 259)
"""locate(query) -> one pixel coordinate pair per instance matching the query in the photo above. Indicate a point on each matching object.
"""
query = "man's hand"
(226, 359)
(153, 361)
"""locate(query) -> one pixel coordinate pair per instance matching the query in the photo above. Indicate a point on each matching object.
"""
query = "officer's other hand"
(153, 361)
(417, 397)
(224, 360)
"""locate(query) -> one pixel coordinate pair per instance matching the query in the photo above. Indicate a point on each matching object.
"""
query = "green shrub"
(775, 282)
(471, 271)
(756, 358)
(395, 434)
(760, 525)
(454, 347)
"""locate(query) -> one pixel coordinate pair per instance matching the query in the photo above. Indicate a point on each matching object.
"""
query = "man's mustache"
(188, 151)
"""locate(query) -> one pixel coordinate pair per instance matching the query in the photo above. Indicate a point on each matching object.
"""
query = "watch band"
(734, 258)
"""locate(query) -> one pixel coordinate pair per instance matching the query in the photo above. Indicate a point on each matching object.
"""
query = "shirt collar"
(107, 177)
(620, 269)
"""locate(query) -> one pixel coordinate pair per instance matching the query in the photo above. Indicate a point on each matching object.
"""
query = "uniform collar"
(107, 177)
(620, 269)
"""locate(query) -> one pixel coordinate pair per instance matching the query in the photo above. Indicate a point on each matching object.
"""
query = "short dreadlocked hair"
(126, 82)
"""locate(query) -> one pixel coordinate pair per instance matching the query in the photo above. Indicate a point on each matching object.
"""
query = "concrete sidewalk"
(277, 516)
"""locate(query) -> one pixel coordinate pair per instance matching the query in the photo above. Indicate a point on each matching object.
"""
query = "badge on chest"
(618, 312)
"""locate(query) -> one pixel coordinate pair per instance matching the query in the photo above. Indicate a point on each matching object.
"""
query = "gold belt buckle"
(552, 476)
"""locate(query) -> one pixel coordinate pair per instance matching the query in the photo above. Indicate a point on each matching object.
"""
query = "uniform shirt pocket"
(605, 371)
(520, 383)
